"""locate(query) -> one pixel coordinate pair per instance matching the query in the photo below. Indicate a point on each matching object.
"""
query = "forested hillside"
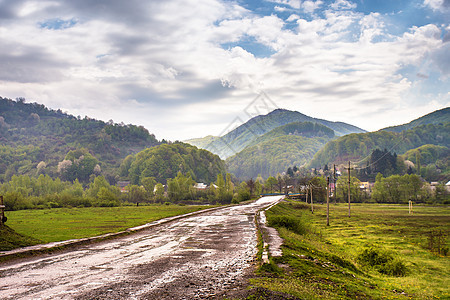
(165, 161)
(52, 159)
(355, 147)
(293, 144)
(441, 116)
(35, 140)
(241, 137)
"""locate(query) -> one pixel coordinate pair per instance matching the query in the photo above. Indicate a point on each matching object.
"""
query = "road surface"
(198, 257)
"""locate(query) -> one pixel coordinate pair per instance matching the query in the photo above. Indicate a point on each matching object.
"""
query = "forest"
(32, 135)
(52, 159)
(291, 144)
(355, 147)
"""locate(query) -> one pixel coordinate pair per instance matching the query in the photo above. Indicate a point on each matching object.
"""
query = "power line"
(373, 163)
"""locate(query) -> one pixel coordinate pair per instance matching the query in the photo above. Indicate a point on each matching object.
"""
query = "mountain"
(356, 147)
(35, 140)
(432, 128)
(241, 137)
(275, 151)
(202, 142)
(436, 117)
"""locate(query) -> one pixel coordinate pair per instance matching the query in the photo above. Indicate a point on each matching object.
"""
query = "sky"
(190, 68)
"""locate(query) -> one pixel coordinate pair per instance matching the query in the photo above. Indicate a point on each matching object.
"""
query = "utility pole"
(334, 180)
(312, 205)
(328, 201)
(349, 168)
(307, 187)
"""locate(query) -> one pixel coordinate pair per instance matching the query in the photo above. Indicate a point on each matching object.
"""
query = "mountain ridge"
(435, 117)
(238, 139)
(285, 146)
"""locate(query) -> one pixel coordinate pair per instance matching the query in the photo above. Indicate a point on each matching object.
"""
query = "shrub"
(53, 204)
(383, 261)
(342, 262)
(16, 201)
(394, 267)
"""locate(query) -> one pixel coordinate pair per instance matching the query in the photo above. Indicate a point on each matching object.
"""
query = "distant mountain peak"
(241, 137)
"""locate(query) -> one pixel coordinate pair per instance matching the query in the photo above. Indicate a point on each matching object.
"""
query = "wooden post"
(328, 201)
(2, 210)
(312, 205)
(334, 181)
(306, 194)
(410, 207)
(349, 188)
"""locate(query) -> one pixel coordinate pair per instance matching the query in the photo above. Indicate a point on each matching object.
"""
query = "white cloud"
(292, 3)
(342, 5)
(292, 18)
(280, 8)
(435, 4)
(310, 6)
(154, 64)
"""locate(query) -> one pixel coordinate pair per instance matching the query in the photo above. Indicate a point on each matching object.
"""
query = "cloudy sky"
(190, 68)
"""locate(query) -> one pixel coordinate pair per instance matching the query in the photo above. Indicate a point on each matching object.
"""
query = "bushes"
(383, 261)
(16, 201)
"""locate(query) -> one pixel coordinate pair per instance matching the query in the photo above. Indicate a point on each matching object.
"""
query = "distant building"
(200, 186)
(433, 185)
(122, 186)
(366, 187)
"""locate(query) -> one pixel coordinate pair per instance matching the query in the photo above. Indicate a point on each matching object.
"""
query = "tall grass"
(380, 252)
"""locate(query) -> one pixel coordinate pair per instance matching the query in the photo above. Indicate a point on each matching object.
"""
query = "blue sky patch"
(58, 24)
(249, 44)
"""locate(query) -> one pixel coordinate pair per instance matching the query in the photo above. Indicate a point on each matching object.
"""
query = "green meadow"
(59, 224)
(380, 252)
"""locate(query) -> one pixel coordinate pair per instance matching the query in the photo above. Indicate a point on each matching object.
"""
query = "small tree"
(159, 192)
(319, 185)
(271, 182)
(251, 186)
(136, 194)
(149, 184)
(243, 192)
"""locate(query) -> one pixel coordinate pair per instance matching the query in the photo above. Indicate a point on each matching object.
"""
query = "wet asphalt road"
(198, 257)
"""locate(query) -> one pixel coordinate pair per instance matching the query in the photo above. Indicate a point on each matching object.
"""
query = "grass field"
(59, 224)
(324, 262)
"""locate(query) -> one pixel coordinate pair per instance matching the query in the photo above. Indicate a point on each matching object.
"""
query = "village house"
(123, 186)
(200, 186)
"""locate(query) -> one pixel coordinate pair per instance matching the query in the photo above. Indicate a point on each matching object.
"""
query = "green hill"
(165, 161)
(441, 116)
(275, 151)
(355, 147)
(35, 139)
(428, 154)
(241, 137)
(202, 142)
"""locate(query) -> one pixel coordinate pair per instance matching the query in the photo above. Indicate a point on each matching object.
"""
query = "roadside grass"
(9, 239)
(321, 262)
(59, 224)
